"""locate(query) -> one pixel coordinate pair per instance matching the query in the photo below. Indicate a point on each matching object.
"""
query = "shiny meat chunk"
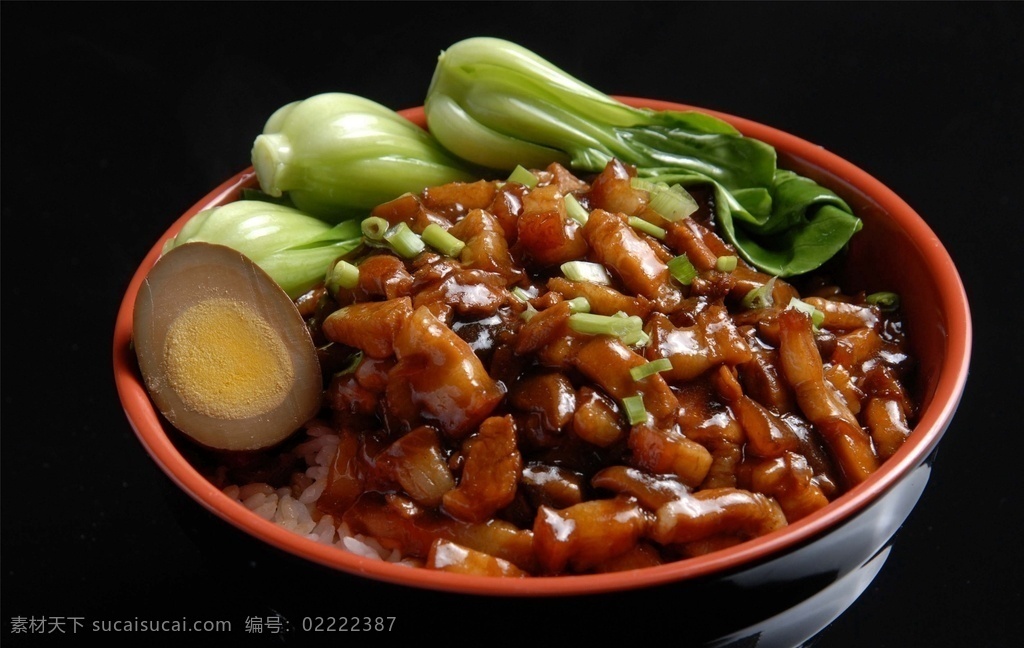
(440, 377)
(545, 235)
(554, 486)
(369, 326)
(445, 555)
(597, 419)
(447, 287)
(844, 316)
(486, 246)
(611, 190)
(490, 472)
(668, 450)
(789, 479)
(547, 396)
(618, 247)
(607, 362)
(651, 490)
(417, 463)
(849, 444)
(456, 197)
(398, 523)
(887, 423)
(603, 300)
(383, 276)
(692, 350)
(587, 534)
(714, 512)
(408, 209)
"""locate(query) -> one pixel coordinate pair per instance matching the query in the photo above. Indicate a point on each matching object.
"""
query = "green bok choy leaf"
(294, 248)
(338, 155)
(498, 105)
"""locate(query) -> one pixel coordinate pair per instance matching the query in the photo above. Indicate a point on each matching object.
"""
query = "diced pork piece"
(667, 450)
(398, 523)
(441, 377)
(651, 490)
(844, 316)
(603, 300)
(548, 396)
(855, 347)
(409, 209)
(417, 463)
(545, 235)
(383, 276)
(618, 247)
(887, 422)
(788, 479)
(607, 362)
(445, 555)
(717, 511)
(554, 486)
(490, 472)
(597, 419)
(486, 247)
(587, 534)
(346, 476)
(713, 340)
(849, 444)
(460, 197)
(369, 326)
(611, 190)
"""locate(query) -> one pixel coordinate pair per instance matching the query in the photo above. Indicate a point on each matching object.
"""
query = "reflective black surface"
(117, 117)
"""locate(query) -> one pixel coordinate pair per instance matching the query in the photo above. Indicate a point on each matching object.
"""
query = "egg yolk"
(225, 361)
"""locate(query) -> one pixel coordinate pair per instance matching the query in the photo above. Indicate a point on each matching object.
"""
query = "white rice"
(300, 514)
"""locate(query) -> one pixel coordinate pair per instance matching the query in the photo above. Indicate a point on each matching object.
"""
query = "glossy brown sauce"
(480, 432)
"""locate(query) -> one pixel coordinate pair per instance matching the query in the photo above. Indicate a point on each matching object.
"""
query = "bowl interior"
(896, 250)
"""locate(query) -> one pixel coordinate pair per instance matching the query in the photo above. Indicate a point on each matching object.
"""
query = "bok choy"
(496, 104)
(337, 156)
(294, 248)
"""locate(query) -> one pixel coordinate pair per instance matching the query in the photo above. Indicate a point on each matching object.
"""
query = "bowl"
(828, 556)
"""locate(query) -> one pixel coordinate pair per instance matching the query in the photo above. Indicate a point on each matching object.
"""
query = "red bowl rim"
(932, 423)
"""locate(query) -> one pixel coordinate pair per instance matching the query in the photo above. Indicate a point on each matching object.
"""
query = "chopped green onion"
(579, 305)
(575, 209)
(637, 338)
(683, 271)
(520, 294)
(886, 301)
(586, 271)
(442, 240)
(353, 364)
(760, 297)
(528, 314)
(726, 263)
(374, 227)
(647, 227)
(635, 410)
(817, 317)
(672, 203)
(649, 369)
(404, 240)
(523, 176)
(342, 275)
(629, 329)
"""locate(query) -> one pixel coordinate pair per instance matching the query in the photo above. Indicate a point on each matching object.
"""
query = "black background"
(119, 116)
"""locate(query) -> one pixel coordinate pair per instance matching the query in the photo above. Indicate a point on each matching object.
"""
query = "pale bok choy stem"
(337, 155)
(294, 248)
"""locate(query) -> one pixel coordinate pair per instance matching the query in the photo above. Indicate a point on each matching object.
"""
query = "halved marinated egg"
(224, 353)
